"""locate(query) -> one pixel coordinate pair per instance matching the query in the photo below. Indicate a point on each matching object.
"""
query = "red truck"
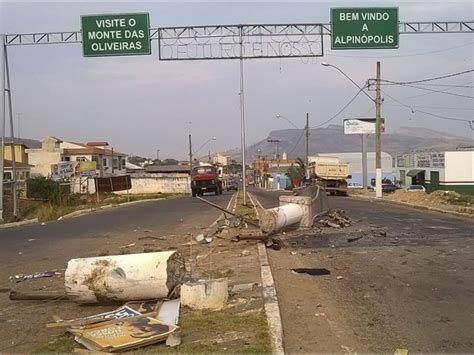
(205, 178)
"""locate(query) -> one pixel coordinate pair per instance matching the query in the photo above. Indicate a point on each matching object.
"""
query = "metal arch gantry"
(76, 36)
(156, 34)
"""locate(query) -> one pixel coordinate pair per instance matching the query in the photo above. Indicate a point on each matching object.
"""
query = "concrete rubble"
(335, 219)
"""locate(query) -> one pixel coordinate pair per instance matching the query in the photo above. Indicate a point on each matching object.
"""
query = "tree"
(170, 161)
(135, 159)
(296, 171)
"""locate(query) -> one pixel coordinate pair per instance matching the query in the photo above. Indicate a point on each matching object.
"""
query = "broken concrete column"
(123, 277)
(301, 209)
(205, 294)
(274, 219)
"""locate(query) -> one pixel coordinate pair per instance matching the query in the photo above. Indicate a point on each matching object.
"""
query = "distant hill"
(333, 140)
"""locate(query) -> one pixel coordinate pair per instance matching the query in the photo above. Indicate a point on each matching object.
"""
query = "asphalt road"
(158, 216)
(400, 278)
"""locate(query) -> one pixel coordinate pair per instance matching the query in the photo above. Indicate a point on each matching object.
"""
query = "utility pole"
(378, 152)
(2, 117)
(113, 170)
(364, 161)
(190, 161)
(276, 141)
(307, 147)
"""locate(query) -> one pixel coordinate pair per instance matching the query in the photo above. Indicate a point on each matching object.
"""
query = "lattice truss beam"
(242, 41)
(250, 30)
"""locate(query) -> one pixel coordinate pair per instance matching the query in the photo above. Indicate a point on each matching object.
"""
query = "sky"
(140, 104)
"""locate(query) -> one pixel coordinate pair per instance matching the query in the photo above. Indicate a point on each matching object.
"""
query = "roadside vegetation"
(47, 210)
(246, 211)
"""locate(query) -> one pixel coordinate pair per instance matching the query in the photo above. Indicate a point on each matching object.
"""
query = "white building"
(220, 159)
(450, 170)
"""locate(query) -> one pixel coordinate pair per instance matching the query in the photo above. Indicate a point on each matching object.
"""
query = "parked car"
(354, 185)
(388, 188)
(412, 188)
(232, 185)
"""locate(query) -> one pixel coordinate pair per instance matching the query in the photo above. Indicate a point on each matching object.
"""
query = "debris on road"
(124, 277)
(128, 246)
(351, 240)
(336, 219)
(245, 253)
(312, 272)
(205, 294)
(173, 340)
(37, 275)
(123, 334)
(37, 295)
(133, 325)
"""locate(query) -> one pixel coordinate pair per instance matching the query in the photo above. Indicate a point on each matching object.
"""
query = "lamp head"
(325, 64)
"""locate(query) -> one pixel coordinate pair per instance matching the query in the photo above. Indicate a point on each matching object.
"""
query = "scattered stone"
(339, 277)
(320, 314)
(293, 252)
(173, 340)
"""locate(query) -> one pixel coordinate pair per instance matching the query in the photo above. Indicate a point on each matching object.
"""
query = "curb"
(18, 224)
(369, 198)
(94, 209)
(270, 300)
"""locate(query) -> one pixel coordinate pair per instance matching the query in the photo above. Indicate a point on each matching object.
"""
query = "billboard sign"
(364, 28)
(362, 126)
(87, 168)
(115, 34)
(63, 170)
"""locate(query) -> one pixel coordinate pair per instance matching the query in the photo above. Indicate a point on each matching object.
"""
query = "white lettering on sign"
(365, 39)
(116, 46)
(109, 23)
(349, 16)
(377, 16)
(364, 16)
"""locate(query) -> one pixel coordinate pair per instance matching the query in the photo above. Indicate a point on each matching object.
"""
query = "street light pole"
(2, 116)
(190, 161)
(307, 147)
(378, 150)
(378, 160)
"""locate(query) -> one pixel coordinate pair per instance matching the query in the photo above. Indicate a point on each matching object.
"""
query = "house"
(54, 150)
(20, 149)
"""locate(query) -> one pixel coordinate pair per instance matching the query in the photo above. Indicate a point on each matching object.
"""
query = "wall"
(42, 160)
(155, 183)
(459, 172)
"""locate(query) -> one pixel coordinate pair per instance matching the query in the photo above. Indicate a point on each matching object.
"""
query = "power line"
(444, 85)
(437, 91)
(341, 110)
(402, 55)
(429, 93)
(429, 79)
(297, 142)
(429, 113)
(437, 107)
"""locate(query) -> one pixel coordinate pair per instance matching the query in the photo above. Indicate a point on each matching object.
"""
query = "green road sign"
(364, 28)
(115, 34)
